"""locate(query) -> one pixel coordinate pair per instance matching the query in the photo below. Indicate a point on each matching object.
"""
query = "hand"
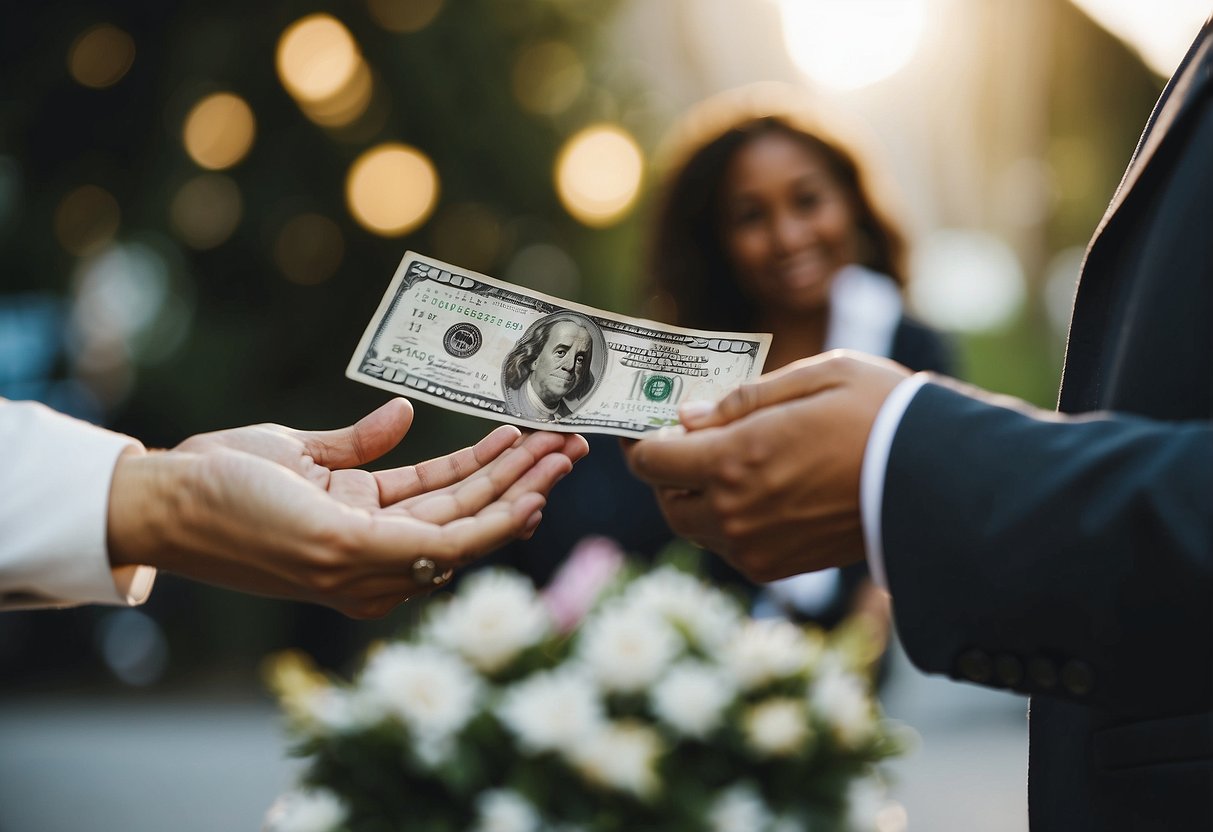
(275, 511)
(769, 476)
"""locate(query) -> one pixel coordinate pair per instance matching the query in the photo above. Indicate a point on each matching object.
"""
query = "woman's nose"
(788, 232)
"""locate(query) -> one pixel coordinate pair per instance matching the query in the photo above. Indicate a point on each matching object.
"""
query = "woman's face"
(788, 225)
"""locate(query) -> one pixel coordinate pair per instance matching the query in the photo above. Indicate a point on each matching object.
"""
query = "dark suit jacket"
(1071, 557)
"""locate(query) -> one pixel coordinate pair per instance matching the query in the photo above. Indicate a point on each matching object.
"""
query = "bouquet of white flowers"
(666, 709)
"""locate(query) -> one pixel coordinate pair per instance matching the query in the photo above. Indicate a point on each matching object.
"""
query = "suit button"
(975, 666)
(1008, 670)
(1042, 672)
(1077, 677)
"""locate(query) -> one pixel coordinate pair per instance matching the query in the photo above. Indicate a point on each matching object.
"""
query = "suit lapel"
(1185, 85)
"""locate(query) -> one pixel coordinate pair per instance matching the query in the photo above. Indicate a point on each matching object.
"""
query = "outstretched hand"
(276, 511)
(769, 476)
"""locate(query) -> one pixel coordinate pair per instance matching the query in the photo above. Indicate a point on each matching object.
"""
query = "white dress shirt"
(54, 505)
(875, 463)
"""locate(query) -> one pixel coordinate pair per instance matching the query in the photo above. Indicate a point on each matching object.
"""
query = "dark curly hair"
(689, 269)
(517, 367)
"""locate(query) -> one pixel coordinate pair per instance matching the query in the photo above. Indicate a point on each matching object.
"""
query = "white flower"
(318, 810)
(738, 809)
(864, 801)
(552, 711)
(705, 614)
(494, 617)
(840, 698)
(768, 650)
(329, 710)
(622, 756)
(434, 693)
(691, 698)
(626, 649)
(778, 727)
(505, 810)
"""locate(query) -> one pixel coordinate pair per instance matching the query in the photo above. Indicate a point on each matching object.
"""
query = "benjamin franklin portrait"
(549, 372)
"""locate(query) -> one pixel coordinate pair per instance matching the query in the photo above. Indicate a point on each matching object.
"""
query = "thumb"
(369, 438)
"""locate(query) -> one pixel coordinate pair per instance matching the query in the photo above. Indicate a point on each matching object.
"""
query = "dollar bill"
(477, 345)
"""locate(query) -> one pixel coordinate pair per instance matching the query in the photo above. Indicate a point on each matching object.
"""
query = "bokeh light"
(317, 56)
(128, 307)
(845, 45)
(548, 77)
(134, 647)
(219, 131)
(968, 281)
(346, 104)
(598, 174)
(391, 189)
(101, 56)
(404, 15)
(1161, 33)
(1061, 285)
(308, 249)
(468, 234)
(86, 219)
(206, 210)
(321, 66)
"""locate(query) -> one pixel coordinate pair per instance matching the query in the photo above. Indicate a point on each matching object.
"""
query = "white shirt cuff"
(872, 474)
(55, 487)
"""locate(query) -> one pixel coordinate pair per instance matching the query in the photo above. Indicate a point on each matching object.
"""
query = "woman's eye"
(747, 216)
(807, 201)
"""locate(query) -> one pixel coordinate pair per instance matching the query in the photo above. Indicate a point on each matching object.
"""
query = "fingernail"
(695, 411)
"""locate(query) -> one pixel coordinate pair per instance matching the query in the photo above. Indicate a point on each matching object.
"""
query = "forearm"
(1051, 543)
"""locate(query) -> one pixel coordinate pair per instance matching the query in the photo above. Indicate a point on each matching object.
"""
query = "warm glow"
(967, 280)
(206, 210)
(847, 44)
(548, 77)
(309, 249)
(391, 189)
(404, 15)
(598, 174)
(347, 104)
(219, 131)
(100, 56)
(86, 220)
(317, 57)
(1160, 32)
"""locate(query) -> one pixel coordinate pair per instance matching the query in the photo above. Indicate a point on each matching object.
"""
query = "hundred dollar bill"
(478, 345)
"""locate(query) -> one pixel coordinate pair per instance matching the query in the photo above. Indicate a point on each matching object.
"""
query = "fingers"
(797, 380)
(575, 447)
(675, 460)
(690, 515)
(400, 484)
(367, 439)
(391, 535)
(531, 468)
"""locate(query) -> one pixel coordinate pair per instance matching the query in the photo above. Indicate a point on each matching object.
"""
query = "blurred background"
(202, 203)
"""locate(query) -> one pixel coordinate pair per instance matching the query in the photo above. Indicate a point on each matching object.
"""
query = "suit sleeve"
(1067, 556)
(54, 503)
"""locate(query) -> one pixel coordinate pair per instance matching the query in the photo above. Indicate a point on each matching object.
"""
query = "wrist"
(143, 493)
